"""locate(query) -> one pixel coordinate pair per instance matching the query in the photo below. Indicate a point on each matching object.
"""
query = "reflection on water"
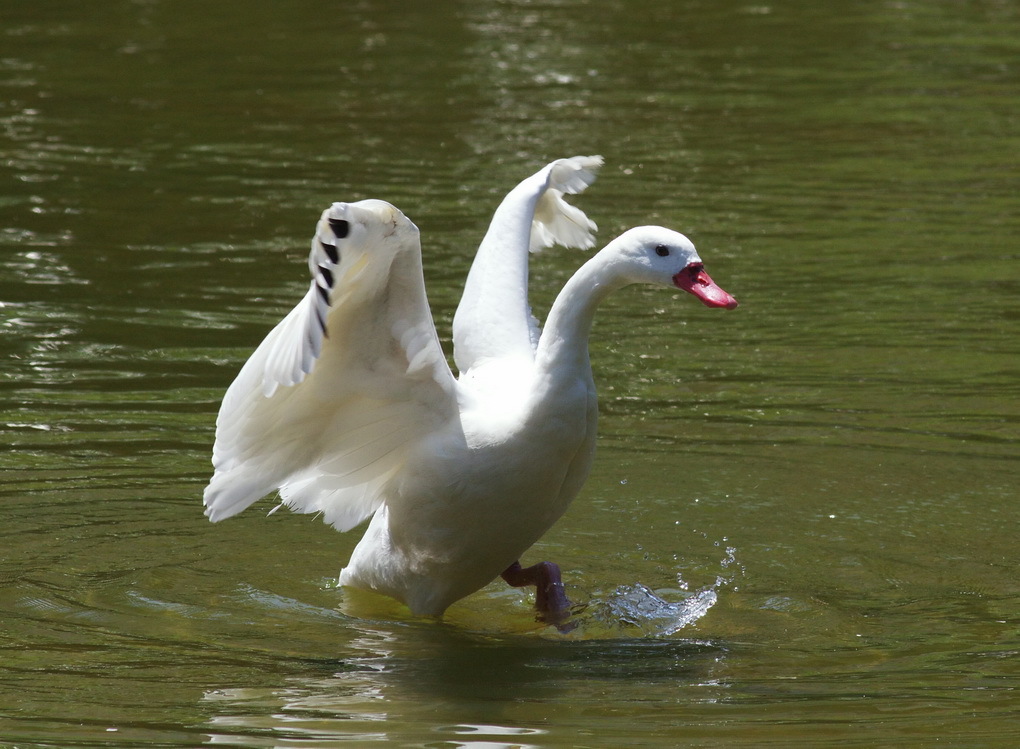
(384, 690)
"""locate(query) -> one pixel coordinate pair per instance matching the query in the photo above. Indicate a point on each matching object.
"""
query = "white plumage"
(349, 408)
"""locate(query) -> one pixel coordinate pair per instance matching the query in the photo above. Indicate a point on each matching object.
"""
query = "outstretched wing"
(331, 404)
(494, 318)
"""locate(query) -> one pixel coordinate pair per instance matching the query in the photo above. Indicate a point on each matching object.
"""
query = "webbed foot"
(550, 597)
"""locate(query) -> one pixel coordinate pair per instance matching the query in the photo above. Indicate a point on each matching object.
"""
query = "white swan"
(349, 408)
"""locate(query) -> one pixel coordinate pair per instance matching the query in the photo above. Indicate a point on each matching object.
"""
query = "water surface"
(801, 527)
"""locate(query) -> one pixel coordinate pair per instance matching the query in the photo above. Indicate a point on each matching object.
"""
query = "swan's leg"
(550, 598)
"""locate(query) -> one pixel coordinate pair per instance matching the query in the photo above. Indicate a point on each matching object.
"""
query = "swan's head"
(662, 257)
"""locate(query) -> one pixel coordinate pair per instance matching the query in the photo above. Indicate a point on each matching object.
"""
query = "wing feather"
(494, 318)
(340, 393)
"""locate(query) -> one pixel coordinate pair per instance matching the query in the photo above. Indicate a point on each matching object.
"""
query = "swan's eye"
(661, 250)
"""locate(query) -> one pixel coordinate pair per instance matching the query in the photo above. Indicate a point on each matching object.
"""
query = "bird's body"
(350, 409)
(474, 501)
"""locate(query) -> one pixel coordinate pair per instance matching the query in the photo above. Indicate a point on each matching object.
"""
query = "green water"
(802, 524)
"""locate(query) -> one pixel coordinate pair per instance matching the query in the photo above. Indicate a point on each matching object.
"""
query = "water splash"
(637, 605)
(660, 613)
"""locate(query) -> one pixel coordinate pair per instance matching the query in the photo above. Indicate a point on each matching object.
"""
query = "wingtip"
(574, 175)
(555, 220)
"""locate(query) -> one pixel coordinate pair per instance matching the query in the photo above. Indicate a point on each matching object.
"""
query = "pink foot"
(550, 598)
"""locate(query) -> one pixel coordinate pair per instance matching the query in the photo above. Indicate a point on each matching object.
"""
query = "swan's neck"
(563, 347)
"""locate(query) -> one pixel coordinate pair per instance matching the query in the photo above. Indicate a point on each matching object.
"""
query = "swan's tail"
(556, 221)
